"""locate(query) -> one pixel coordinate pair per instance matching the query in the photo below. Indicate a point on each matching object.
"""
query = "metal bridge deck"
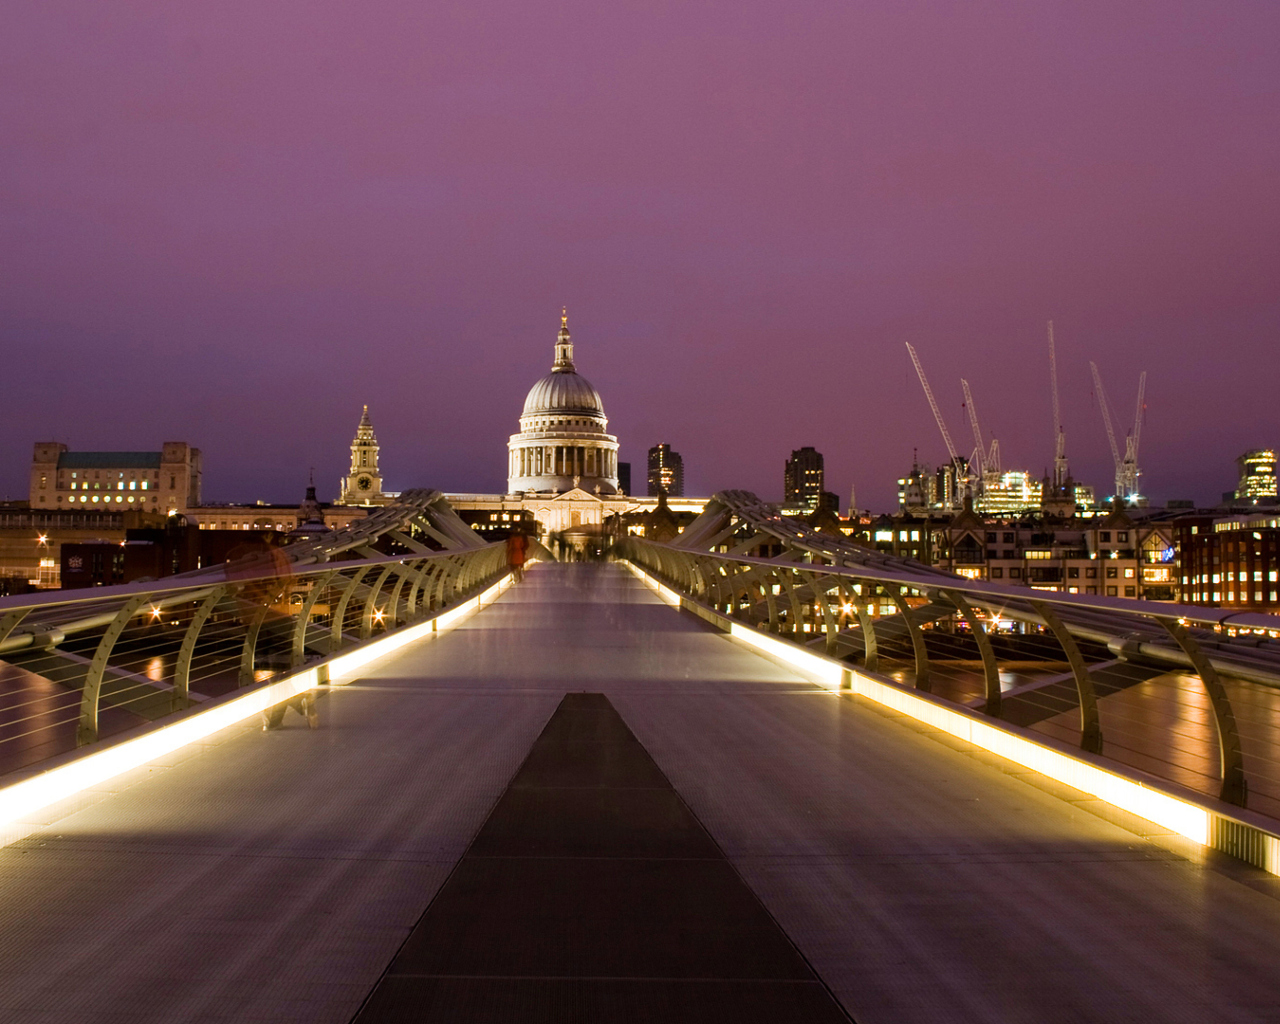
(274, 876)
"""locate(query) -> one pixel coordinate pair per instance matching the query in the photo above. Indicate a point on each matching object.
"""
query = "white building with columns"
(563, 464)
(563, 444)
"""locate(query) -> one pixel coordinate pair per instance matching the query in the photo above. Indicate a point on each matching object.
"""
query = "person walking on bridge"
(517, 548)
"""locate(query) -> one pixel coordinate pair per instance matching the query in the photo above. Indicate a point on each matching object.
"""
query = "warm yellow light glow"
(665, 593)
(829, 673)
(22, 801)
(155, 612)
(1181, 816)
(42, 539)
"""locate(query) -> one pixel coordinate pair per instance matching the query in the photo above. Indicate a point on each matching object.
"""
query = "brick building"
(1229, 561)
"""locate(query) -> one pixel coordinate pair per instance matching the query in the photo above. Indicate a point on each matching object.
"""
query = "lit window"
(144, 485)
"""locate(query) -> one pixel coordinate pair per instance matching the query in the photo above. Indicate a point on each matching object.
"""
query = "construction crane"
(1105, 406)
(985, 460)
(1059, 435)
(959, 468)
(1131, 470)
(1127, 471)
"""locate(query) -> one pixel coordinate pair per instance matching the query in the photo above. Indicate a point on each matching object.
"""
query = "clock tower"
(363, 484)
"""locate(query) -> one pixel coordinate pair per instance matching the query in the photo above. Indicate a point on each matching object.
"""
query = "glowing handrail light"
(23, 799)
(1180, 816)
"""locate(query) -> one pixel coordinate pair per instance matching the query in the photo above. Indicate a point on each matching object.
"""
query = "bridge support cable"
(298, 650)
(151, 649)
(870, 646)
(370, 611)
(899, 596)
(1090, 723)
(249, 652)
(418, 589)
(87, 732)
(1109, 645)
(990, 667)
(182, 669)
(1235, 787)
(336, 629)
(796, 617)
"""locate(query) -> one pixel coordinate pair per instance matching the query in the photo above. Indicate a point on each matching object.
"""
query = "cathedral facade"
(563, 444)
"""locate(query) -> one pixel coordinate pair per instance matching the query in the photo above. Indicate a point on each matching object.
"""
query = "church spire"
(363, 484)
(564, 347)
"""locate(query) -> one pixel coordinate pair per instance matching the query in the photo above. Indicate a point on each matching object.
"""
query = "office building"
(803, 479)
(1257, 477)
(666, 471)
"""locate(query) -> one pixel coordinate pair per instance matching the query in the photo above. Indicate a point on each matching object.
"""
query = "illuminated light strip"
(1177, 815)
(1181, 816)
(829, 673)
(666, 593)
(21, 800)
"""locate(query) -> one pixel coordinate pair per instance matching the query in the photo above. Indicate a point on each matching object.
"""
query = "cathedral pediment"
(577, 494)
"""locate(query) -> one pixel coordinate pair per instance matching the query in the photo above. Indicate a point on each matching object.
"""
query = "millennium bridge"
(754, 774)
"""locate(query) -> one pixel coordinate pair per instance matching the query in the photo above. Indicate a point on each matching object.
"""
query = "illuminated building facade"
(563, 444)
(802, 484)
(164, 482)
(1257, 477)
(1109, 556)
(666, 471)
(1230, 562)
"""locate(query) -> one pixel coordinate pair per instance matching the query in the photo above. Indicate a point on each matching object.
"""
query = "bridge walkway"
(275, 876)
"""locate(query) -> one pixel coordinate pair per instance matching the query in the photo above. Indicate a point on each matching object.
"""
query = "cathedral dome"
(563, 391)
(562, 444)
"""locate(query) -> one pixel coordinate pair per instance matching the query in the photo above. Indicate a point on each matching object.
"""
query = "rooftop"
(109, 460)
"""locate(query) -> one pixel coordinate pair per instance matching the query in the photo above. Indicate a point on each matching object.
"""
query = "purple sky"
(234, 223)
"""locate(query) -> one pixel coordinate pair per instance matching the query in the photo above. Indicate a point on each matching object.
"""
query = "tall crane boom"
(973, 422)
(1131, 470)
(1127, 471)
(962, 482)
(1059, 436)
(933, 404)
(1137, 416)
(988, 459)
(1106, 419)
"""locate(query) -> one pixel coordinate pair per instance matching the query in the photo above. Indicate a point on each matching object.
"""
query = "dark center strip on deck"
(593, 893)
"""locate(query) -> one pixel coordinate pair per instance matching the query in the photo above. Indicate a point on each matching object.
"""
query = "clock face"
(364, 483)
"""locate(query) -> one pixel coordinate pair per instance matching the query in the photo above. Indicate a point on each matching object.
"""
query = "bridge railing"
(81, 665)
(1189, 695)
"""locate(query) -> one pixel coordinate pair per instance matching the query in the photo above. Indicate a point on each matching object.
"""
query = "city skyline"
(252, 258)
